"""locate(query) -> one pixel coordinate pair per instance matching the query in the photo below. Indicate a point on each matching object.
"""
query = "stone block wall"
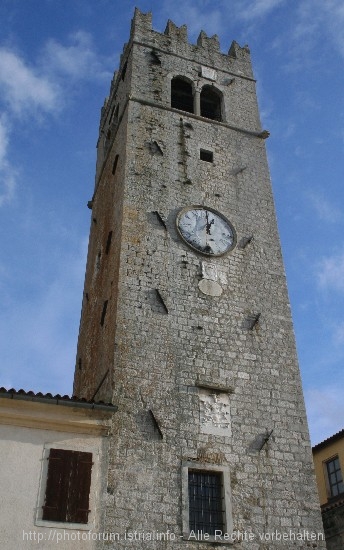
(198, 378)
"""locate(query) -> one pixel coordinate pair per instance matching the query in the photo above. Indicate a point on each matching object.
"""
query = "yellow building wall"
(322, 455)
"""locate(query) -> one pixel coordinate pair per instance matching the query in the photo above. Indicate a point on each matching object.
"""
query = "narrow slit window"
(99, 255)
(102, 319)
(108, 242)
(107, 139)
(112, 114)
(124, 70)
(114, 167)
(205, 155)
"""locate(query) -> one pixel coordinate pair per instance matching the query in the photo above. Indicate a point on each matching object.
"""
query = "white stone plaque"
(210, 288)
(208, 73)
(214, 413)
(212, 272)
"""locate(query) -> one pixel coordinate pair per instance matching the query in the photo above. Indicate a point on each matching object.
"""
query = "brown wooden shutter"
(79, 488)
(68, 486)
(55, 505)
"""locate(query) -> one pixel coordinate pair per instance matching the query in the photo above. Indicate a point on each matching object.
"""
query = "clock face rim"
(218, 214)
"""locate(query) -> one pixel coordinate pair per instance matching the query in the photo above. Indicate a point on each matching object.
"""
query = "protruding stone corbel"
(238, 170)
(161, 300)
(160, 219)
(264, 134)
(251, 321)
(245, 241)
(156, 424)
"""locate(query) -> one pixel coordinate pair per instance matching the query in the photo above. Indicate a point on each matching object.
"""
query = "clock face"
(206, 230)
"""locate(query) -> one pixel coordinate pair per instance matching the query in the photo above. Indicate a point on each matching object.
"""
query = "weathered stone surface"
(209, 287)
(333, 519)
(151, 358)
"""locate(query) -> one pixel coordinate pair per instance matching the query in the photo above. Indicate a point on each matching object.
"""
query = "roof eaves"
(57, 399)
(330, 439)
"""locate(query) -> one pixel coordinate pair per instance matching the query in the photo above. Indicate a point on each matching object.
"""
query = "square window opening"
(205, 155)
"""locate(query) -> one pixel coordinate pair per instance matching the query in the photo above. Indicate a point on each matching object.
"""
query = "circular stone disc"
(211, 288)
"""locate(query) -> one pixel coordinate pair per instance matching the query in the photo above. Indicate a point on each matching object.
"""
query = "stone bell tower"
(186, 322)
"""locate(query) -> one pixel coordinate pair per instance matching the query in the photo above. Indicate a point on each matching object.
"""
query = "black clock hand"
(209, 224)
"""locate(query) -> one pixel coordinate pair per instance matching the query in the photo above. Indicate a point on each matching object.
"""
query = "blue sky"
(56, 63)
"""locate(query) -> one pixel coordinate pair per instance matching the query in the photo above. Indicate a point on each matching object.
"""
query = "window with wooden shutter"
(68, 486)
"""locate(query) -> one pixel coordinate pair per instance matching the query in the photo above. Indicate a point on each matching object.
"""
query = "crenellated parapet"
(238, 52)
(150, 61)
(176, 33)
(175, 39)
(210, 43)
(141, 23)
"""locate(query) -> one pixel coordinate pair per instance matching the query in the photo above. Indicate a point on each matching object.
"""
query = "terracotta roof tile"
(62, 399)
(330, 439)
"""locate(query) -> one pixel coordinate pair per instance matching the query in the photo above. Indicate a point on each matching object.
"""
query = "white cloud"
(77, 60)
(3, 139)
(23, 88)
(331, 272)
(325, 411)
(314, 20)
(256, 9)
(215, 20)
(31, 91)
(325, 210)
(308, 32)
(339, 334)
(307, 24)
(40, 87)
(333, 19)
(202, 17)
(43, 357)
(8, 174)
